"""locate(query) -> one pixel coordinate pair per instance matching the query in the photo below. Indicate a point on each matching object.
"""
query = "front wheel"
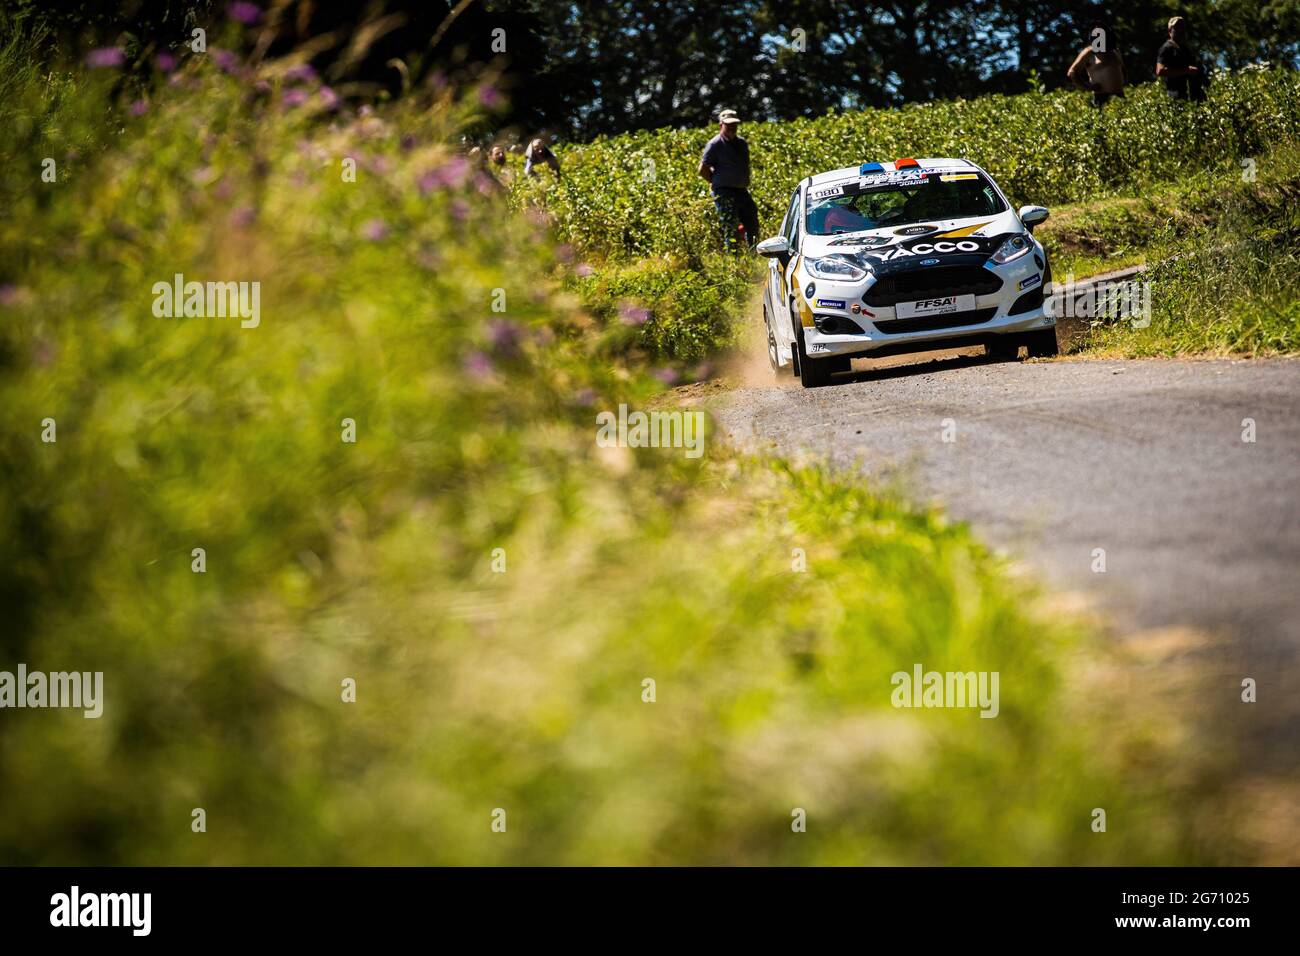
(1003, 348)
(814, 373)
(773, 351)
(1043, 344)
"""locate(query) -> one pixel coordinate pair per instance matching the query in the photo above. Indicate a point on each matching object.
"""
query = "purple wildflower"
(165, 61)
(139, 108)
(583, 270)
(488, 96)
(243, 217)
(477, 366)
(459, 210)
(328, 98)
(300, 71)
(245, 13)
(585, 397)
(10, 295)
(374, 230)
(504, 336)
(226, 61)
(105, 56)
(564, 252)
(294, 98)
(632, 314)
(450, 175)
(666, 375)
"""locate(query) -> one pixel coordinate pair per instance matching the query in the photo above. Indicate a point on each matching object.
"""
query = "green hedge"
(639, 194)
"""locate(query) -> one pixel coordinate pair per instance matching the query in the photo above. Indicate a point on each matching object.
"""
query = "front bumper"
(883, 330)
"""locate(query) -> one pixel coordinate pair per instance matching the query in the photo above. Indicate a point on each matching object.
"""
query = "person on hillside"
(725, 167)
(1099, 68)
(1176, 65)
(539, 154)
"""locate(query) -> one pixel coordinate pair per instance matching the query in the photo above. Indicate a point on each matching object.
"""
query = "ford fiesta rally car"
(908, 256)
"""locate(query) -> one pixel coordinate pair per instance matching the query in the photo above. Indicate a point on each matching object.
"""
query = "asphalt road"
(1051, 460)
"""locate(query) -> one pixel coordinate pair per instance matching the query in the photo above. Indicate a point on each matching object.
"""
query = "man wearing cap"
(725, 167)
(1176, 65)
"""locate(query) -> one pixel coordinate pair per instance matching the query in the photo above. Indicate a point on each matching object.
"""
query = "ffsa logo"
(75, 908)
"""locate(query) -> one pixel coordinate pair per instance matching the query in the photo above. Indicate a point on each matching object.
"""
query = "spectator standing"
(725, 167)
(539, 154)
(1177, 66)
(1099, 68)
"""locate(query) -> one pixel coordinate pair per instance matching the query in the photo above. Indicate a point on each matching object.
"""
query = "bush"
(639, 194)
(664, 305)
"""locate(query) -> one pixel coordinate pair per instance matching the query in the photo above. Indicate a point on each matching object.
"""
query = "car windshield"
(874, 202)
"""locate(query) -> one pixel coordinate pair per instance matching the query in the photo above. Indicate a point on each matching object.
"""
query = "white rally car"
(908, 256)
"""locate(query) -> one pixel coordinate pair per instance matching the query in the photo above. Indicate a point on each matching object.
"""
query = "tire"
(773, 355)
(1042, 344)
(814, 373)
(1004, 347)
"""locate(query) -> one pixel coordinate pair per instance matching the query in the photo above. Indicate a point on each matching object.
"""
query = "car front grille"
(931, 283)
(930, 323)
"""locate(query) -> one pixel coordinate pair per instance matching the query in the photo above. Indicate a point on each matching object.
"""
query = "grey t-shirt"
(730, 162)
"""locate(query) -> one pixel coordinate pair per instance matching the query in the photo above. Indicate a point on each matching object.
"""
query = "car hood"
(885, 250)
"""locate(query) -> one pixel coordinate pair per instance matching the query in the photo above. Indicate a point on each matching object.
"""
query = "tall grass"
(1224, 268)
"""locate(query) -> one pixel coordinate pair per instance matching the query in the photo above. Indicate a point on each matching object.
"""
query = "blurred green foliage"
(666, 307)
(373, 561)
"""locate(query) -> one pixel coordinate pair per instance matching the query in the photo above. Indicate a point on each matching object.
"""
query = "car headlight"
(1015, 247)
(835, 269)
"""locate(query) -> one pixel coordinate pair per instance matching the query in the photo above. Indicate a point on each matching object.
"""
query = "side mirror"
(1033, 216)
(778, 247)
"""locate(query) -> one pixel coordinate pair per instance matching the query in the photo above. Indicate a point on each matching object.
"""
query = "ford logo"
(929, 262)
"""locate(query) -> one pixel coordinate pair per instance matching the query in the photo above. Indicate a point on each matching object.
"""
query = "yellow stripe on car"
(805, 310)
(963, 231)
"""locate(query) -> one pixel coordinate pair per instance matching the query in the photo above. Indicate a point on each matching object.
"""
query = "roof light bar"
(870, 168)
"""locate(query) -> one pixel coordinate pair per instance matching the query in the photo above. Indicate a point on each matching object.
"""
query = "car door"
(778, 284)
(772, 288)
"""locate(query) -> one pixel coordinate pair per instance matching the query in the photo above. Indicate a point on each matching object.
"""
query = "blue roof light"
(870, 168)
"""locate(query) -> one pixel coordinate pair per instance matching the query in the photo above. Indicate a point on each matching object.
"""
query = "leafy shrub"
(1224, 265)
(639, 194)
(666, 306)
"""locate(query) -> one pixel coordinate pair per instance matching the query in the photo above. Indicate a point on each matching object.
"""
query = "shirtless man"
(1099, 68)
